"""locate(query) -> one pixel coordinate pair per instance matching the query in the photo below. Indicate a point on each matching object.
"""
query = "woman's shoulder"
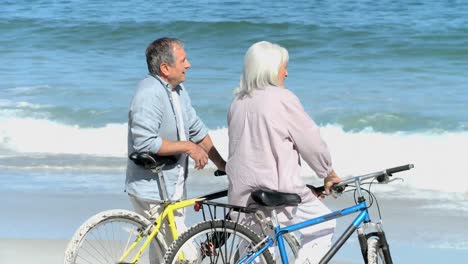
(281, 94)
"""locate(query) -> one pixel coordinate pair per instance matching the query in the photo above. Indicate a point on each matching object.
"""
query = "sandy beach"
(39, 225)
(24, 251)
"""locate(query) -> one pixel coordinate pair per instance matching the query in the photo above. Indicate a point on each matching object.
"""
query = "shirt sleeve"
(306, 136)
(145, 119)
(197, 129)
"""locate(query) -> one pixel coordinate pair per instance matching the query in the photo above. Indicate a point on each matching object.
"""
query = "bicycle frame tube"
(167, 213)
(284, 256)
(362, 217)
(157, 224)
(254, 254)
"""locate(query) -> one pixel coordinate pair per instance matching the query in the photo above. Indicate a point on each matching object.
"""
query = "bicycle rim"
(292, 247)
(106, 241)
(217, 242)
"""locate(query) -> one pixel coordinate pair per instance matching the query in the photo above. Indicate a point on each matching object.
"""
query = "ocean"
(386, 81)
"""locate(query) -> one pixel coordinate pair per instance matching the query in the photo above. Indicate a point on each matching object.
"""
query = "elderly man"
(162, 121)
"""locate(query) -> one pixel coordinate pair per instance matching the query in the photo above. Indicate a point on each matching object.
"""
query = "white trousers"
(315, 240)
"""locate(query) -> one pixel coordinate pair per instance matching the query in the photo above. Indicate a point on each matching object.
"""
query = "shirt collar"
(166, 85)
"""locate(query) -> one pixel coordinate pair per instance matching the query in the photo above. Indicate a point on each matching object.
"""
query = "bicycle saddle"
(272, 198)
(150, 160)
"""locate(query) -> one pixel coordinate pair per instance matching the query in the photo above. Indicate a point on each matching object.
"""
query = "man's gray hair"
(262, 62)
(161, 51)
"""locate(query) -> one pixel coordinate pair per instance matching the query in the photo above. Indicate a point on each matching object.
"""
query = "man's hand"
(199, 156)
(330, 180)
(213, 154)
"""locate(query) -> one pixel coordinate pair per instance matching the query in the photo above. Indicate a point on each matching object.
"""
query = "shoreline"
(51, 251)
(419, 230)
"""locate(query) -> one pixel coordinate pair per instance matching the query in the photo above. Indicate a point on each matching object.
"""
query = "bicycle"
(246, 248)
(215, 244)
(122, 236)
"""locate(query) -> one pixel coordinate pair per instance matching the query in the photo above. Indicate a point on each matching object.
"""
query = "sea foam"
(440, 159)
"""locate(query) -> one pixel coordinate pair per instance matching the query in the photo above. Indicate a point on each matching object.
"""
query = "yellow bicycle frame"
(168, 213)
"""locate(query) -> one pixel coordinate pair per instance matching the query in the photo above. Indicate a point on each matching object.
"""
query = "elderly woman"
(269, 132)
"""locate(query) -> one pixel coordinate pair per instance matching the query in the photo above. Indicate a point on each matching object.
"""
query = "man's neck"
(172, 86)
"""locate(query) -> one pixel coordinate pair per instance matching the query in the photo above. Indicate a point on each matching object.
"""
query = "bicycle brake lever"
(396, 179)
(317, 191)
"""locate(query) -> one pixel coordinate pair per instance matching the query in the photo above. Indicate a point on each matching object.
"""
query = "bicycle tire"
(292, 247)
(216, 241)
(374, 251)
(104, 237)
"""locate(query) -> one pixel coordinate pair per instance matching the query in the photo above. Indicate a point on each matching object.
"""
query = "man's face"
(176, 72)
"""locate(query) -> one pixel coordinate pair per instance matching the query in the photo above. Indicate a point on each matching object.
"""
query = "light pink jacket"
(268, 133)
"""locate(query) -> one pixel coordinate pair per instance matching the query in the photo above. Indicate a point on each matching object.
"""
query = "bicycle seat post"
(274, 218)
(161, 182)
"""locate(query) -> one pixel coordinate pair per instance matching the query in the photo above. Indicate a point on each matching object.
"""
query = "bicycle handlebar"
(214, 195)
(217, 194)
(390, 171)
(219, 173)
(153, 161)
(387, 172)
(381, 176)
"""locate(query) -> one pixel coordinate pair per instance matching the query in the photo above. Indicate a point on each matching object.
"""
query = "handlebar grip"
(219, 173)
(338, 189)
(319, 191)
(399, 169)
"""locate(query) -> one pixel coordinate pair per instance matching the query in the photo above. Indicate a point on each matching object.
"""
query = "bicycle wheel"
(375, 254)
(104, 237)
(217, 241)
(292, 247)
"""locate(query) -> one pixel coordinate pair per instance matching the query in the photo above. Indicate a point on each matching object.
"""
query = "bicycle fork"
(380, 234)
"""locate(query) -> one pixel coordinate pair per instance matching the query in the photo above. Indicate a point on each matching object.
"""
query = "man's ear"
(164, 69)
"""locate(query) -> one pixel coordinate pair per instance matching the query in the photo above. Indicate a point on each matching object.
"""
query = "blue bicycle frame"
(362, 217)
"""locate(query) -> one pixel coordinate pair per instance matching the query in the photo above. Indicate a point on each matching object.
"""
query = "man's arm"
(198, 133)
(213, 153)
(197, 153)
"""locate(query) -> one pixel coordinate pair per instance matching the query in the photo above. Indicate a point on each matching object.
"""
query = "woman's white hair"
(262, 62)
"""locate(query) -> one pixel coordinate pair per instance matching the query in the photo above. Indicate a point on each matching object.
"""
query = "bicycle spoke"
(216, 242)
(106, 237)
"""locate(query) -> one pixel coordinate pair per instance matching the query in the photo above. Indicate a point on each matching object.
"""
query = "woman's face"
(282, 74)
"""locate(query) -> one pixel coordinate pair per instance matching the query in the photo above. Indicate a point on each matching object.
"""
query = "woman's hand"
(330, 180)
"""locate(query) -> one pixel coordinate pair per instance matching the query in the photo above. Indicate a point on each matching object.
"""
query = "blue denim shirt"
(152, 118)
